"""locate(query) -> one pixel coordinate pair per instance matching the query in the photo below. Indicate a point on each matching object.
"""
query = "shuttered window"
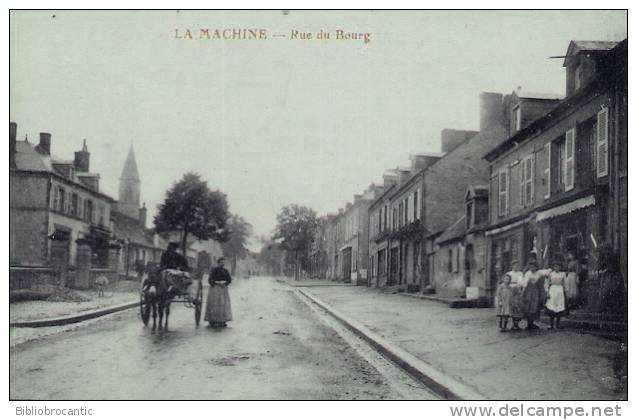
(547, 171)
(602, 143)
(569, 161)
(528, 180)
(503, 192)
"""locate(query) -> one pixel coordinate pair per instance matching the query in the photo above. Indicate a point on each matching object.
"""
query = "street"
(276, 348)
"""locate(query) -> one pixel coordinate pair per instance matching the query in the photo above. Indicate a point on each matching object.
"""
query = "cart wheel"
(198, 302)
(144, 309)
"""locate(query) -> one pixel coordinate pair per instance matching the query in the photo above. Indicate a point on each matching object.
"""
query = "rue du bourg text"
(262, 34)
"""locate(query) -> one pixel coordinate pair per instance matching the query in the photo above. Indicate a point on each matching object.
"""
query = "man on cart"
(170, 260)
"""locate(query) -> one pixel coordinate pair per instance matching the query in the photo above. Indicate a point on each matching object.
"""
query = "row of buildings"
(64, 229)
(544, 176)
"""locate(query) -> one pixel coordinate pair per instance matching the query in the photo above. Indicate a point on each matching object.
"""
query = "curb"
(301, 284)
(438, 382)
(71, 319)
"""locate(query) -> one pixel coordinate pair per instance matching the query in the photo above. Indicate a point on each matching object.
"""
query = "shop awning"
(578, 204)
(505, 228)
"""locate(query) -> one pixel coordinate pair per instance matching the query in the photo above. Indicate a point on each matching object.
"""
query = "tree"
(270, 257)
(295, 232)
(235, 248)
(191, 208)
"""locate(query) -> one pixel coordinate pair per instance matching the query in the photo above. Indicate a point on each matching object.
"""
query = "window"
(416, 205)
(569, 160)
(561, 162)
(602, 143)
(62, 200)
(450, 260)
(385, 218)
(503, 192)
(406, 209)
(469, 215)
(56, 199)
(88, 211)
(400, 214)
(74, 205)
(547, 171)
(101, 213)
(526, 181)
(517, 118)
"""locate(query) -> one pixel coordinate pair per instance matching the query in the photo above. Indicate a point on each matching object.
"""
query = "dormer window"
(469, 215)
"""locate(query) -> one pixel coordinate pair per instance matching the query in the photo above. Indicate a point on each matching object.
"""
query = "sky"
(279, 120)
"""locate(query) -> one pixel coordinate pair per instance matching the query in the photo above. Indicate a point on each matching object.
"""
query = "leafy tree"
(270, 257)
(295, 231)
(191, 208)
(235, 248)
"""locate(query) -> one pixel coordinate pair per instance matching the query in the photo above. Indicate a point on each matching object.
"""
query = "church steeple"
(129, 172)
(129, 187)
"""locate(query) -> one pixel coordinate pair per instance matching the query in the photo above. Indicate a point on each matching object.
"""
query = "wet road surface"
(276, 348)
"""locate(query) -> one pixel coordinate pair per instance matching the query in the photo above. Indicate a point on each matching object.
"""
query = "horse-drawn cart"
(170, 286)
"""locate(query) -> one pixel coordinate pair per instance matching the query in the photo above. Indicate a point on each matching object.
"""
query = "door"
(468, 264)
(393, 266)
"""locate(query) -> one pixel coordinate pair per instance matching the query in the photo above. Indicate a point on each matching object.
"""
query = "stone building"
(461, 266)
(59, 219)
(379, 228)
(558, 184)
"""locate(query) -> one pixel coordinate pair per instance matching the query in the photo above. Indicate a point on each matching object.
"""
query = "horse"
(161, 295)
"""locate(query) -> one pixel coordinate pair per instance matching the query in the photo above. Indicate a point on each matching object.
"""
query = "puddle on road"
(228, 361)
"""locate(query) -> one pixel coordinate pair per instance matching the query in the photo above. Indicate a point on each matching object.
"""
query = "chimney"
(450, 138)
(45, 144)
(357, 198)
(143, 212)
(13, 132)
(82, 159)
(491, 110)
(403, 175)
(389, 179)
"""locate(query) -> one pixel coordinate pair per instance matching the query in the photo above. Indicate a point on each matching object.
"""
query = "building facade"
(556, 185)
(58, 216)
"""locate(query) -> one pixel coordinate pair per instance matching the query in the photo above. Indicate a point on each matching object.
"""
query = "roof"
(538, 95)
(575, 47)
(556, 112)
(130, 166)
(28, 159)
(453, 232)
(125, 227)
(427, 154)
(446, 180)
(477, 191)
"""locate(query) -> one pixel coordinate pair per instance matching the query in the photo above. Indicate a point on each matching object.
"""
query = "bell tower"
(129, 187)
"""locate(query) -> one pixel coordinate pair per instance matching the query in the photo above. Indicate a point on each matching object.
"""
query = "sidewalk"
(467, 346)
(42, 309)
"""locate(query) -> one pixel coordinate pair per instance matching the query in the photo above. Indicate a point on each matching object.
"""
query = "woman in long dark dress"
(218, 308)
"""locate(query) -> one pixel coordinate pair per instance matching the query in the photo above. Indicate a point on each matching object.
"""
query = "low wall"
(21, 277)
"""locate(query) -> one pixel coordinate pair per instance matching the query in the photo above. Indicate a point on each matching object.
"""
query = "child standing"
(503, 302)
(556, 300)
(532, 296)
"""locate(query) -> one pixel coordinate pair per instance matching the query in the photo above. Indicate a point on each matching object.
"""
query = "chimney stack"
(45, 144)
(403, 175)
(82, 159)
(143, 212)
(389, 179)
(13, 133)
(491, 110)
(450, 138)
